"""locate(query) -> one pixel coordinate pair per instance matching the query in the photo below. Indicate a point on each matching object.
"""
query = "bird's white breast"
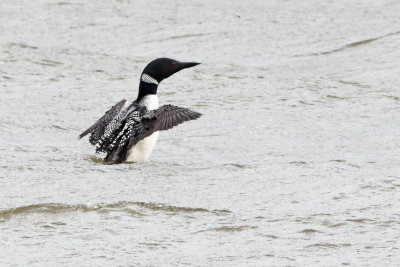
(149, 101)
(142, 150)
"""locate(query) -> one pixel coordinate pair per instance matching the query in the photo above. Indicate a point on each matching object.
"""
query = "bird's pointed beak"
(185, 65)
(176, 66)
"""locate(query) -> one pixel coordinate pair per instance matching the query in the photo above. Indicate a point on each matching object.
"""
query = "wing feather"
(98, 128)
(161, 119)
(120, 129)
(169, 116)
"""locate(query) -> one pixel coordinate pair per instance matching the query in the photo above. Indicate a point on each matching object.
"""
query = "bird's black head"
(158, 70)
(162, 68)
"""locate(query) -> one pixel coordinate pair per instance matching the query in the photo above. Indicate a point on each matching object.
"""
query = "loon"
(128, 131)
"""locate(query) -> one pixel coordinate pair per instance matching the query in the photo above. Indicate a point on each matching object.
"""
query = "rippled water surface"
(295, 161)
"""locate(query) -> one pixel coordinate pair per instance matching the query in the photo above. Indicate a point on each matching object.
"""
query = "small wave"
(95, 159)
(349, 45)
(122, 206)
(337, 225)
(392, 97)
(338, 160)
(47, 62)
(59, 127)
(183, 36)
(298, 163)
(229, 228)
(360, 220)
(328, 245)
(271, 236)
(65, 4)
(60, 4)
(237, 165)
(357, 84)
(309, 231)
(22, 45)
(336, 97)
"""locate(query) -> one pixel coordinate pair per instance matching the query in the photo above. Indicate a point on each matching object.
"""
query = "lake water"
(295, 161)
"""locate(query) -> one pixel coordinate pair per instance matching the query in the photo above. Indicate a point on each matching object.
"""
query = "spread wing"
(139, 126)
(105, 132)
(169, 116)
(99, 127)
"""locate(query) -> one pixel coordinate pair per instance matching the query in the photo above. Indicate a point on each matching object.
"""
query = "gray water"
(295, 161)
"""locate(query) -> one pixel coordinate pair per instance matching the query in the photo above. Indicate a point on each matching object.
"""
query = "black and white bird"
(128, 132)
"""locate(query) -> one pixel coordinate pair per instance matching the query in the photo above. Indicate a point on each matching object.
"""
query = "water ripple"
(350, 45)
(122, 206)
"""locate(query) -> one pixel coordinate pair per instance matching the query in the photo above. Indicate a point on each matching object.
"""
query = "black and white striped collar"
(148, 79)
